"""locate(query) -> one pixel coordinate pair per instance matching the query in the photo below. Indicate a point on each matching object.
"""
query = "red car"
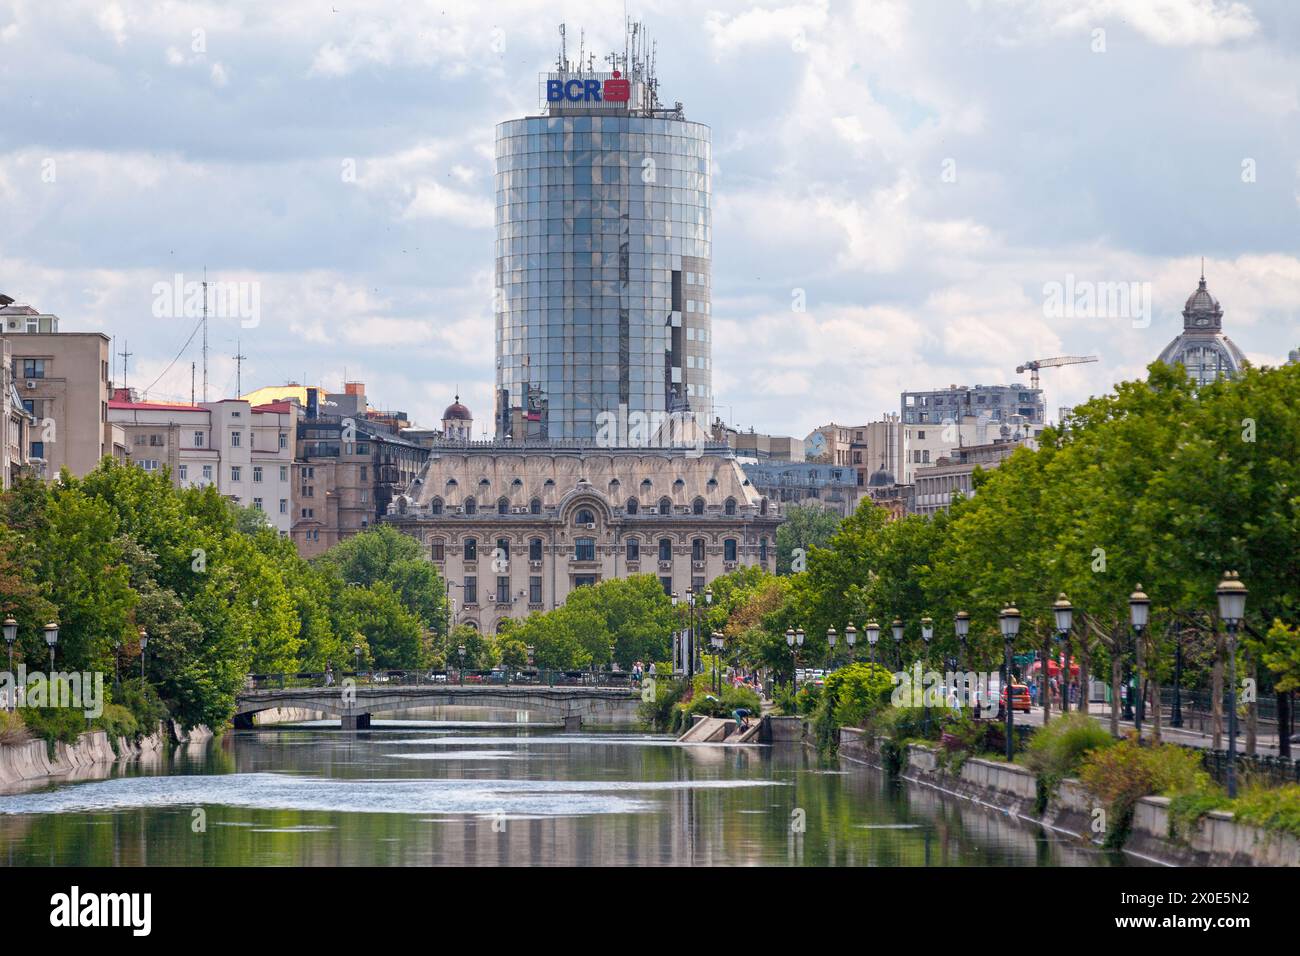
(1019, 698)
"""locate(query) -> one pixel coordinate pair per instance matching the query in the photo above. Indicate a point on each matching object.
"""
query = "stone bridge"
(354, 705)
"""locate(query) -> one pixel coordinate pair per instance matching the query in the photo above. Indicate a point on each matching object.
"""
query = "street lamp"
(873, 635)
(52, 638)
(11, 635)
(1009, 620)
(1139, 607)
(961, 625)
(831, 637)
(850, 638)
(144, 643)
(927, 633)
(1064, 612)
(794, 658)
(898, 640)
(1232, 609)
(1176, 720)
(716, 640)
(460, 649)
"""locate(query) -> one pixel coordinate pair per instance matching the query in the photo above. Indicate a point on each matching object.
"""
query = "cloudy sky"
(924, 175)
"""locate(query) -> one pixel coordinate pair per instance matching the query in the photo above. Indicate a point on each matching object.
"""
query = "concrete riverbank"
(1217, 839)
(90, 756)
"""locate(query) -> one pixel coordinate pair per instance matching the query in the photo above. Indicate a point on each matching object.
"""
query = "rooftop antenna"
(205, 333)
(125, 359)
(239, 367)
(191, 383)
(563, 63)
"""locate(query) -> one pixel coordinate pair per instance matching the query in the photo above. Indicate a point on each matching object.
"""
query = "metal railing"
(528, 677)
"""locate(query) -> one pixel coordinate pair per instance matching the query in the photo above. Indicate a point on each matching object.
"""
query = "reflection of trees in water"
(853, 818)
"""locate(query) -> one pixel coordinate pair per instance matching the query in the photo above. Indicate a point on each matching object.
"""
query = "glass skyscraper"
(603, 275)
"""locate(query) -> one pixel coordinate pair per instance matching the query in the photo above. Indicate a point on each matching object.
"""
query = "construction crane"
(1033, 365)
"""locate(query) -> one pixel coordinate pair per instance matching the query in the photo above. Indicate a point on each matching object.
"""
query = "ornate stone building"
(514, 528)
(1202, 347)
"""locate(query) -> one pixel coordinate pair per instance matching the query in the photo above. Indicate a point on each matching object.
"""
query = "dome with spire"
(881, 478)
(1202, 309)
(1202, 348)
(456, 412)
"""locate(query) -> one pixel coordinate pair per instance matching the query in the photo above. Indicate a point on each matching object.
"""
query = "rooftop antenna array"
(637, 62)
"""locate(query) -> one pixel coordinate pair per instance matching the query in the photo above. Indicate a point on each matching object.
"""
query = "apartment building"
(246, 450)
(17, 423)
(63, 383)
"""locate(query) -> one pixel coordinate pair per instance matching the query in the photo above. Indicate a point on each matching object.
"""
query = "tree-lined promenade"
(1158, 483)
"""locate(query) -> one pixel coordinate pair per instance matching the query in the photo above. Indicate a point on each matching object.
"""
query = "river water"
(488, 792)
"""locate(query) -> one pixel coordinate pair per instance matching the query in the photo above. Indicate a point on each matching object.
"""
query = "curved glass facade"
(603, 275)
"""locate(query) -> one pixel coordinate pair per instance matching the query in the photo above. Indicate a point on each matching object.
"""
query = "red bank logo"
(616, 90)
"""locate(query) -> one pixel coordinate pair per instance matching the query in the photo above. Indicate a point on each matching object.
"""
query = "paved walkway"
(1266, 743)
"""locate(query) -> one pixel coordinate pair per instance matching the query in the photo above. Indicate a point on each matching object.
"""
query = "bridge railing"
(441, 678)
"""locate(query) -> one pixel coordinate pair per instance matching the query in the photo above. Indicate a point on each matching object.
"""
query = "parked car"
(1019, 698)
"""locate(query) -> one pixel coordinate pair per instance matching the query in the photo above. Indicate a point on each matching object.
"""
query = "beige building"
(514, 530)
(351, 462)
(62, 381)
(830, 444)
(938, 484)
(17, 423)
(247, 451)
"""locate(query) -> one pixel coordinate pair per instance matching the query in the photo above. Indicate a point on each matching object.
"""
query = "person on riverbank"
(329, 675)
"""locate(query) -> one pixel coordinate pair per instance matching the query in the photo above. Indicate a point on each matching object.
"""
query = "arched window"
(697, 549)
(471, 549)
(633, 549)
(729, 549)
(437, 549)
(435, 506)
(503, 625)
(632, 506)
(471, 506)
(584, 516)
(697, 506)
(503, 506)
(665, 549)
(535, 549)
(535, 506)
(665, 506)
(730, 506)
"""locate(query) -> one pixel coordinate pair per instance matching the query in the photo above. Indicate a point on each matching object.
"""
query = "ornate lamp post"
(851, 639)
(719, 642)
(1064, 612)
(927, 633)
(1139, 608)
(356, 655)
(52, 638)
(790, 638)
(1176, 719)
(897, 628)
(11, 635)
(1009, 620)
(1232, 609)
(144, 643)
(873, 635)
(831, 637)
(961, 626)
(460, 649)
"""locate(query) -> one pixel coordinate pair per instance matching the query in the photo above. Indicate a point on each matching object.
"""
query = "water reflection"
(484, 793)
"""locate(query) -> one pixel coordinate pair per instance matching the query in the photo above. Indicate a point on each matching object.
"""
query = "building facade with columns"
(515, 529)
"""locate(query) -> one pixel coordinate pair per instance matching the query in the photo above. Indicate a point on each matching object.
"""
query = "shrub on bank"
(1272, 808)
(1121, 774)
(1058, 749)
(12, 728)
